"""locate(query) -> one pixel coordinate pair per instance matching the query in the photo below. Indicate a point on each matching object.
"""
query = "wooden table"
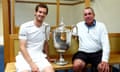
(62, 67)
(10, 67)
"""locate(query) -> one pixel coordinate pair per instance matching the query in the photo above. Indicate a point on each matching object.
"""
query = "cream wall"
(71, 14)
(1, 25)
(108, 11)
(25, 12)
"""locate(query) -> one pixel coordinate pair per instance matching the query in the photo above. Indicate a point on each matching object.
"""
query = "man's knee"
(25, 71)
(78, 65)
(49, 69)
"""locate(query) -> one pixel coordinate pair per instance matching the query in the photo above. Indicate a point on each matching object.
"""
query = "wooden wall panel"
(6, 25)
(14, 46)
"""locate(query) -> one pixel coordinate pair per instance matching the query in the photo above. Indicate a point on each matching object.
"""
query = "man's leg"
(49, 69)
(79, 61)
(26, 71)
(78, 65)
(95, 60)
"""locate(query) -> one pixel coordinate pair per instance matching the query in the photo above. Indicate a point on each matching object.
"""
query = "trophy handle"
(75, 32)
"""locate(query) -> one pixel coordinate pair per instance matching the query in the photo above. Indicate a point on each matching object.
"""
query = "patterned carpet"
(1, 59)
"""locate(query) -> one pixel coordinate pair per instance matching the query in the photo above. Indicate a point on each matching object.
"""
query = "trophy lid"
(61, 27)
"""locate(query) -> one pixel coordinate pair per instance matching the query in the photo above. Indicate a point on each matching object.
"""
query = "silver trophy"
(62, 41)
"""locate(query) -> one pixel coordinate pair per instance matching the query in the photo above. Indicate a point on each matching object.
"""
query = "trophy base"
(61, 63)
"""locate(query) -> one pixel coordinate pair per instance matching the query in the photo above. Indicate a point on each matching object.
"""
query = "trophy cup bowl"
(62, 41)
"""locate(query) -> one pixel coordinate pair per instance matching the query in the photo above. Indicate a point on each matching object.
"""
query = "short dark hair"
(42, 6)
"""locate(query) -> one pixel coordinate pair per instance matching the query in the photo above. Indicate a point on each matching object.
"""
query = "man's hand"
(103, 67)
(34, 68)
(51, 59)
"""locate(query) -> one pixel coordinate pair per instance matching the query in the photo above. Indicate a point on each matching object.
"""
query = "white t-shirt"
(35, 37)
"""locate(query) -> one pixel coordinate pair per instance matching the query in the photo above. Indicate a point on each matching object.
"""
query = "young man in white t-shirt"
(33, 36)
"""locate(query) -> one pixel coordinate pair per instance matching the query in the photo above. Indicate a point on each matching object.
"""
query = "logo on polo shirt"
(22, 34)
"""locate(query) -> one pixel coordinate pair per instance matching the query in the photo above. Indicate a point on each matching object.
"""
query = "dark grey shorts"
(91, 58)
